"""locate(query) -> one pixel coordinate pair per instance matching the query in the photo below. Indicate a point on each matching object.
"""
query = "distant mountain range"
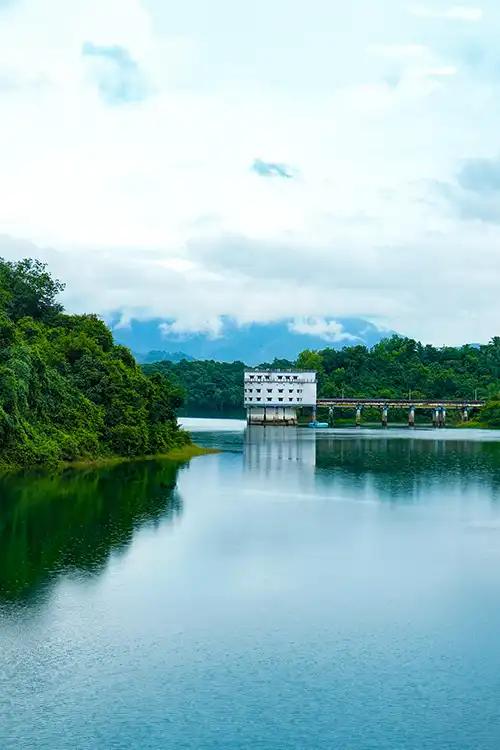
(156, 355)
(252, 343)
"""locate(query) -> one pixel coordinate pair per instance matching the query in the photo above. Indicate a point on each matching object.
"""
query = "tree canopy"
(67, 391)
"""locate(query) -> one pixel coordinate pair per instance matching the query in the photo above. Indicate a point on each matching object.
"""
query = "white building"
(273, 396)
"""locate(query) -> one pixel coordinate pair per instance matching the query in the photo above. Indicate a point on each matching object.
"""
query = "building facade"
(274, 396)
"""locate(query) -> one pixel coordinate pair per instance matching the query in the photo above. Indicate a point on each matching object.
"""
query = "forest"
(209, 387)
(397, 367)
(67, 391)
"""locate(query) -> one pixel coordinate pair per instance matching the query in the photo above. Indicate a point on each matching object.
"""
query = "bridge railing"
(402, 403)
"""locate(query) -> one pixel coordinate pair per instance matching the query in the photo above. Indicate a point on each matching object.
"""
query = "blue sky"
(260, 160)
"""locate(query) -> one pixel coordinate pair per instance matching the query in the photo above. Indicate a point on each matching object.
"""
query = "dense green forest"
(67, 392)
(208, 386)
(395, 367)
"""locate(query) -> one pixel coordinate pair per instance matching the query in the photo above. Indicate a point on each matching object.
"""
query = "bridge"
(438, 407)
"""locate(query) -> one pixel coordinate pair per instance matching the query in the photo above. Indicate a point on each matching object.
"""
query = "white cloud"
(330, 330)
(466, 13)
(192, 324)
(150, 209)
(401, 51)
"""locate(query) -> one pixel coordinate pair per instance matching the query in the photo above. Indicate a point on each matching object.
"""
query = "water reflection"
(406, 468)
(270, 446)
(71, 522)
(388, 466)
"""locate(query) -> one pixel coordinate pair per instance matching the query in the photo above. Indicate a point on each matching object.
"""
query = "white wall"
(271, 388)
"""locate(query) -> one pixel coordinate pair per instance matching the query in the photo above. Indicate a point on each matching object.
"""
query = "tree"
(67, 391)
(28, 289)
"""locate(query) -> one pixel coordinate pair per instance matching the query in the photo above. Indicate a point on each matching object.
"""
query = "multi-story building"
(273, 396)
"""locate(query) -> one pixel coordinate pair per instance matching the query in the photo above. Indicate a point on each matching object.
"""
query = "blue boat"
(318, 425)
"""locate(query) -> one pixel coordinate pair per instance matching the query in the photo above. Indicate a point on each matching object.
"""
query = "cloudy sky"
(264, 159)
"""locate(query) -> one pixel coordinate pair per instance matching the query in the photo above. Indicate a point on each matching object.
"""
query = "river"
(330, 589)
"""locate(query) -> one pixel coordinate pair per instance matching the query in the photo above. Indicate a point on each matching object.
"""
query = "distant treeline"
(394, 368)
(209, 387)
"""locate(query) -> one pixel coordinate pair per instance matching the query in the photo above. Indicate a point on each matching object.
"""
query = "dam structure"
(436, 408)
(274, 396)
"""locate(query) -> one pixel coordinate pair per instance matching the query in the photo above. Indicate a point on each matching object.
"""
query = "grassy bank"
(181, 453)
(177, 454)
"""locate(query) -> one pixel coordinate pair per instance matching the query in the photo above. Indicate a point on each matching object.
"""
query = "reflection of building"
(273, 396)
(280, 459)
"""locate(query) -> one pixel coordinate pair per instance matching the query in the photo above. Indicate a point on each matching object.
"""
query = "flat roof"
(290, 369)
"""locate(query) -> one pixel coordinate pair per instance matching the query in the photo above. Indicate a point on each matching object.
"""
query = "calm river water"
(337, 590)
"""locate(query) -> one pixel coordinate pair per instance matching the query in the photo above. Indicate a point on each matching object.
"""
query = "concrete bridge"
(437, 407)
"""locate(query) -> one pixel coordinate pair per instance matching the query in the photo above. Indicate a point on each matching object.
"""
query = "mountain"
(156, 355)
(252, 343)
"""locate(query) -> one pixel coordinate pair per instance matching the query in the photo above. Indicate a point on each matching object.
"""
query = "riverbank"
(179, 454)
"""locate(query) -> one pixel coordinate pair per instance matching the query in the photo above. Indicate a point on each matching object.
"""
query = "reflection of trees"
(405, 467)
(52, 524)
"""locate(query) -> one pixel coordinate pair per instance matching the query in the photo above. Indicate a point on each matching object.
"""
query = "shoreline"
(181, 453)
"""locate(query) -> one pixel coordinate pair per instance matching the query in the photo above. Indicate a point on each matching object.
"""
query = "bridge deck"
(401, 403)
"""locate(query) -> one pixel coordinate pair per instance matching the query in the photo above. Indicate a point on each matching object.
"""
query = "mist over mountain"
(252, 343)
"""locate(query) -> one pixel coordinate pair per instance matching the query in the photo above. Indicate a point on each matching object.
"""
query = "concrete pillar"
(314, 416)
(442, 417)
(330, 416)
(465, 415)
(435, 417)
(358, 416)
(411, 417)
(385, 416)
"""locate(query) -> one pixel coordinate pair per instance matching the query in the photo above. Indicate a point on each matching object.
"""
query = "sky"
(265, 160)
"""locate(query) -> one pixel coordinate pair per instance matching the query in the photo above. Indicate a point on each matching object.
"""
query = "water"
(300, 590)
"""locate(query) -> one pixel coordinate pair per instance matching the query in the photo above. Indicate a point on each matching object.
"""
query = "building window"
(269, 390)
(280, 390)
(258, 398)
(290, 399)
(290, 390)
(280, 399)
(269, 398)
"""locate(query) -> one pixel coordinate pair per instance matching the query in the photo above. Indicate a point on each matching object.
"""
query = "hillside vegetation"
(67, 392)
(398, 365)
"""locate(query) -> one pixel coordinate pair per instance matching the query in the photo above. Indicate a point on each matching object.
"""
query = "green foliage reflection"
(72, 521)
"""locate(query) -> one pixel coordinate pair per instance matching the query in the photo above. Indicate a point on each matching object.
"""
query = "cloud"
(118, 76)
(400, 51)
(480, 175)
(154, 211)
(187, 326)
(465, 13)
(475, 195)
(329, 330)
(271, 169)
